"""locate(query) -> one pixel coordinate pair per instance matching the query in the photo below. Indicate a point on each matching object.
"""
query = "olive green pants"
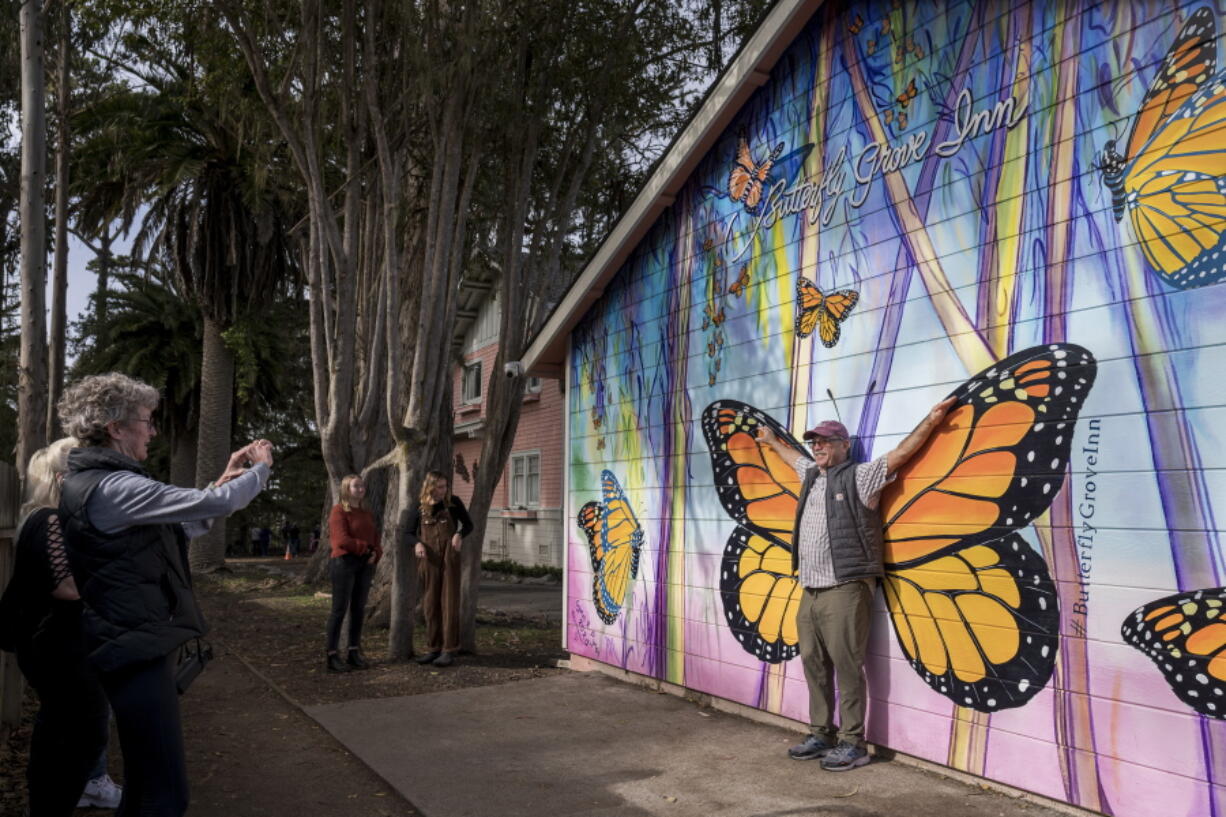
(833, 628)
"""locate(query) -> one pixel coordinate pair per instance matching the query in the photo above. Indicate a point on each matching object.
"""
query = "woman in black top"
(70, 730)
(436, 530)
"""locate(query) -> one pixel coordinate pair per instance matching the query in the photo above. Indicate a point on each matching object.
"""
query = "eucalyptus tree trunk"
(531, 279)
(208, 553)
(32, 367)
(59, 309)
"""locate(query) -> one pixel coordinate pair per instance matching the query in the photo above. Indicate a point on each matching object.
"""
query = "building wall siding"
(916, 204)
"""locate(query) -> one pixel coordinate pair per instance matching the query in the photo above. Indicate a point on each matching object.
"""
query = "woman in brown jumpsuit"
(435, 531)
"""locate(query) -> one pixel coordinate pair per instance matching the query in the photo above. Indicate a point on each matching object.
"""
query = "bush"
(516, 569)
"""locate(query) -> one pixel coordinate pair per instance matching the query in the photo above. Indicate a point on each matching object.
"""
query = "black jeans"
(351, 577)
(70, 729)
(146, 705)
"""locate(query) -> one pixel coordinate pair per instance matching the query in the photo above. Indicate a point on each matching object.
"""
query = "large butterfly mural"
(1185, 635)
(973, 605)
(1171, 179)
(615, 540)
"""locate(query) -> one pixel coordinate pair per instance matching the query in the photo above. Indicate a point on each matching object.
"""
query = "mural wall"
(1021, 205)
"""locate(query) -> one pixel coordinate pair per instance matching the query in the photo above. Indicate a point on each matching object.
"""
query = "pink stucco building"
(525, 521)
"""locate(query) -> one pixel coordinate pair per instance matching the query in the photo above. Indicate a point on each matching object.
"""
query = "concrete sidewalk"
(586, 744)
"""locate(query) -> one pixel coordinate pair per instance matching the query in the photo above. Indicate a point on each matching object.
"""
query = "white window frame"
(517, 495)
(466, 398)
(532, 385)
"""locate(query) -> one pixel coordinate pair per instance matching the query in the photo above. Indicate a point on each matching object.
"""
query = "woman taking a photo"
(126, 536)
(355, 552)
(43, 609)
(435, 531)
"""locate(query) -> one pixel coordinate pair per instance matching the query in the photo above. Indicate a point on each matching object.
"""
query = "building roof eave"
(748, 72)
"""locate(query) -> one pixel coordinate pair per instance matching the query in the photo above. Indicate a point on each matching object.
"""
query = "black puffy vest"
(855, 529)
(135, 584)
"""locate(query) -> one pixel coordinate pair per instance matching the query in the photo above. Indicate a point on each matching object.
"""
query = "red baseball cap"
(828, 429)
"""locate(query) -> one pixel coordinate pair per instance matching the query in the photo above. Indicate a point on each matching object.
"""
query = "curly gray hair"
(92, 402)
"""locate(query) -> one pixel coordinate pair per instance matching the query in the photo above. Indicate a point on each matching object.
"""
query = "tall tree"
(408, 163)
(187, 150)
(584, 90)
(59, 289)
(32, 367)
(150, 331)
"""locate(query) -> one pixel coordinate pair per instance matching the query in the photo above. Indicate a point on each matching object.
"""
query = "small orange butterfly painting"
(816, 310)
(908, 94)
(747, 176)
(738, 286)
(614, 541)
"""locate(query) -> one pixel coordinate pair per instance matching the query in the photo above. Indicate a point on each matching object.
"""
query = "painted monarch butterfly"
(738, 286)
(973, 606)
(855, 25)
(747, 176)
(1185, 635)
(908, 94)
(814, 310)
(1171, 179)
(614, 539)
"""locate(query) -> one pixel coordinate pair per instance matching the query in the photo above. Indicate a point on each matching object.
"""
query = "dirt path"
(250, 752)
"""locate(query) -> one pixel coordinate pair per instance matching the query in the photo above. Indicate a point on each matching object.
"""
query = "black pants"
(70, 729)
(146, 705)
(351, 577)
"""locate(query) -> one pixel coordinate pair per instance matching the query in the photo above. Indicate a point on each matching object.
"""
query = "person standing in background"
(355, 552)
(436, 529)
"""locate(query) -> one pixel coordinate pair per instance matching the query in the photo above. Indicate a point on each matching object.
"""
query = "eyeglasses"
(153, 426)
(818, 442)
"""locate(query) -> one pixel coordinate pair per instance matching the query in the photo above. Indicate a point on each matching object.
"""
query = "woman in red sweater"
(355, 552)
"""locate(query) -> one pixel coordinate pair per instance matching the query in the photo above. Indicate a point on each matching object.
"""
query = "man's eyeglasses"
(818, 442)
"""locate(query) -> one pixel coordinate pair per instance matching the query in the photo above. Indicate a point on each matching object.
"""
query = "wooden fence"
(10, 677)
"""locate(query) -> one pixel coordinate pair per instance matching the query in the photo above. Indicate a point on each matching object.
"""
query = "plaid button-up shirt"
(813, 538)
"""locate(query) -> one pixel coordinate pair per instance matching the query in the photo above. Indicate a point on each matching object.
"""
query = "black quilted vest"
(855, 528)
(135, 584)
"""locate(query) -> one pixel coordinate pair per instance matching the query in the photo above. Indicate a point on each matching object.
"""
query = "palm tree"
(183, 154)
(151, 332)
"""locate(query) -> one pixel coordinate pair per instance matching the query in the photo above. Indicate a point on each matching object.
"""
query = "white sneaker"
(101, 792)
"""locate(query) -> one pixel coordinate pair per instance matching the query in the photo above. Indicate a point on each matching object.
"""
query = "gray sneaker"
(810, 748)
(845, 756)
